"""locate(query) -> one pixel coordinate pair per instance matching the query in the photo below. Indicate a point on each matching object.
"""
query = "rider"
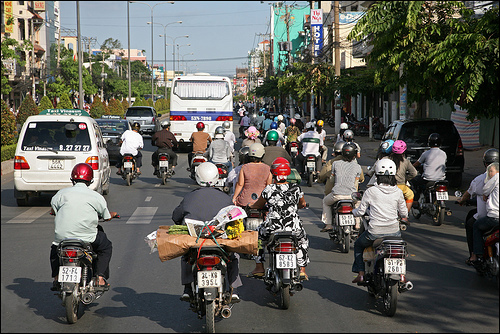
(340, 135)
(384, 150)
(244, 123)
(405, 171)
(78, 210)
(272, 151)
(311, 144)
(203, 204)
(386, 203)
(322, 132)
(274, 126)
(284, 200)
(229, 137)
(219, 150)
(165, 141)
(292, 132)
(200, 142)
(434, 165)
(346, 173)
(131, 142)
(348, 137)
(232, 177)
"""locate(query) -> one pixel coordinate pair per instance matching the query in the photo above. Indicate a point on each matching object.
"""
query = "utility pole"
(80, 56)
(336, 12)
(128, 56)
(32, 55)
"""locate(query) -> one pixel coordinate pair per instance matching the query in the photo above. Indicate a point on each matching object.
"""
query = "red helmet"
(280, 166)
(200, 125)
(82, 171)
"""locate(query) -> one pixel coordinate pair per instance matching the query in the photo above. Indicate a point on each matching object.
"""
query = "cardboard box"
(175, 245)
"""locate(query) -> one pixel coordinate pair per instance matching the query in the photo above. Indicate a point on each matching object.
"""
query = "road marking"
(148, 199)
(142, 215)
(29, 216)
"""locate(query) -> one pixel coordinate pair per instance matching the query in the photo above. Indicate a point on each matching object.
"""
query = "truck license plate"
(286, 261)
(394, 266)
(70, 274)
(209, 279)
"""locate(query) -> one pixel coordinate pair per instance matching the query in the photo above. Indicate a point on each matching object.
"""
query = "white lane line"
(29, 216)
(148, 199)
(142, 215)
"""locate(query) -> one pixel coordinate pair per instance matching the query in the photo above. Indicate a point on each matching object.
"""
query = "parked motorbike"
(198, 159)
(343, 224)
(310, 173)
(164, 170)
(432, 202)
(77, 276)
(223, 173)
(129, 168)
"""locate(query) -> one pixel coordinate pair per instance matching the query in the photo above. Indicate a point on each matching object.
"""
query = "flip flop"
(255, 275)
(303, 276)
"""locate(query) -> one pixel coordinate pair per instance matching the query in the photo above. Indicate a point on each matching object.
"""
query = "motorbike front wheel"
(390, 298)
(71, 304)
(210, 316)
(284, 297)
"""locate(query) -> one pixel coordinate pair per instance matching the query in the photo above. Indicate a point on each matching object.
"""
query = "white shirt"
(311, 141)
(490, 189)
(476, 189)
(230, 138)
(131, 142)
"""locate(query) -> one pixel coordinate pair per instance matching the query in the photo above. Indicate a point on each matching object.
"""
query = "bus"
(199, 97)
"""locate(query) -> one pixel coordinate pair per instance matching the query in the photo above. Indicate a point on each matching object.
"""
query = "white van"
(50, 145)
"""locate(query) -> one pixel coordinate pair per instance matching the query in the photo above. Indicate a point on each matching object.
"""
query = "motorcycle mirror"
(458, 193)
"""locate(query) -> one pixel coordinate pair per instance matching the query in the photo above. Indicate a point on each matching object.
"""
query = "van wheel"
(22, 201)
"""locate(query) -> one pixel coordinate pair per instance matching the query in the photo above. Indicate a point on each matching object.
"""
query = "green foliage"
(9, 132)
(162, 106)
(45, 103)
(97, 108)
(11, 49)
(115, 108)
(64, 102)
(124, 104)
(8, 152)
(27, 108)
(56, 88)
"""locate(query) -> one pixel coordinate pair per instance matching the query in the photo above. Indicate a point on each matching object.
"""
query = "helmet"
(246, 113)
(348, 135)
(136, 126)
(399, 147)
(200, 125)
(219, 130)
(252, 132)
(244, 153)
(310, 125)
(281, 167)
(292, 121)
(343, 126)
(385, 167)
(337, 148)
(207, 174)
(434, 140)
(275, 118)
(296, 116)
(256, 150)
(387, 146)
(490, 156)
(320, 123)
(165, 123)
(226, 125)
(274, 125)
(272, 135)
(82, 172)
(280, 117)
(349, 150)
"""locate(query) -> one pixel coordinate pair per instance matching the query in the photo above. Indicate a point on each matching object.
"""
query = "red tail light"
(254, 214)
(222, 171)
(208, 261)
(71, 253)
(442, 188)
(20, 163)
(93, 162)
(345, 209)
(224, 118)
(198, 160)
(128, 158)
(178, 118)
(163, 158)
(285, 247)
(460, 147)
(153, 120)
(311, 158)
(294, 144)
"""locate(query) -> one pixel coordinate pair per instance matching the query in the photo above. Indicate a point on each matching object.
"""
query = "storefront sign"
(9, 28)
(317, 30)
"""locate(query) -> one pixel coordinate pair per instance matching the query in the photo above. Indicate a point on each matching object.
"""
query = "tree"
(11, 51)
(45, 103)
(64, 102)
(115, 107)
(97, 108)
(27, 108)
(446, 52)
(9, 132)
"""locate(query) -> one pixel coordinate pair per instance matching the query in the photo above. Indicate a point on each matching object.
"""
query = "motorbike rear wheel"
(71, 304)
(345, 243)
(390, 297)
(438, 217)
(164, 178)
(210, 316)
(310, 178)
(284, 297)
(129, 179)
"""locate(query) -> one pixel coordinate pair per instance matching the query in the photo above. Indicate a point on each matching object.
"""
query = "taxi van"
(50, 144)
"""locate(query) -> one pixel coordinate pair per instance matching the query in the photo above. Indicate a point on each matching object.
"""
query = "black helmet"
(434, 140)
(244, 154)
(349, 151)
(490, 156)
(136, 126)
(337, 148)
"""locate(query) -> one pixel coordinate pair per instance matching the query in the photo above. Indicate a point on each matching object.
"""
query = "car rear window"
(112, 127)
(418, 132)
(139, 112)
(60, 136)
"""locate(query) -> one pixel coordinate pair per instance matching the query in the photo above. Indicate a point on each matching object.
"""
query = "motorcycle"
(293, 148)
(432, 202)
(164, 172)
(129, 168)
(77, 276)
(310, 173)
(198, 159)
(223, 173)
(343, 224)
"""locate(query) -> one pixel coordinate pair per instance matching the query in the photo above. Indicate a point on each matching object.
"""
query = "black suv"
(415, 134)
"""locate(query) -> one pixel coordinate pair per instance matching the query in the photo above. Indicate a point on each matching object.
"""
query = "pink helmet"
(399, 147)
(252, 132)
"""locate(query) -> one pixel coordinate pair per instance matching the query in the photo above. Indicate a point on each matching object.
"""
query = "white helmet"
(226, 125)
(280, 117)
(385, 167)
(207, 174)
(344, 126)
(256, 150)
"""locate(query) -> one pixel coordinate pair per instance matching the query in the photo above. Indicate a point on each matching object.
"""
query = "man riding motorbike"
(219, 150)
(311, 143)
(165, 141)
(200, 142)
(131, 142)
(272, 151)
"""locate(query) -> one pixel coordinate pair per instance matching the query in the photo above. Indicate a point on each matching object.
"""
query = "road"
(144, 297)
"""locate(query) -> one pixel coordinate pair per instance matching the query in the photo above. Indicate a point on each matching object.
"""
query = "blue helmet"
(386, 146)
(274, 125)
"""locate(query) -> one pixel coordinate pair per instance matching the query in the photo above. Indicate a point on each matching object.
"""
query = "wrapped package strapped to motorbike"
(226, 229)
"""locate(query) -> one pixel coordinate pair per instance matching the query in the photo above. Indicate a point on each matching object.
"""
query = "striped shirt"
(345, 174)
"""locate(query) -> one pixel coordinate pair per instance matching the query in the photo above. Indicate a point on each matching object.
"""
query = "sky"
(221, 33)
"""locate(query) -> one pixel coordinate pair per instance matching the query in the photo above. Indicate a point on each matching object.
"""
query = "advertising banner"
(9, 28)
(317, 30)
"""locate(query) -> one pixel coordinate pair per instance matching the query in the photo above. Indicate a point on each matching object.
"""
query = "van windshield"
(60, 136)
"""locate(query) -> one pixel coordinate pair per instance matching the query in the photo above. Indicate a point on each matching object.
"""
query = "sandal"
(303, 276)
(358, 279)
(119, 172)
(469, 262)
(326, 229)
(255, 275)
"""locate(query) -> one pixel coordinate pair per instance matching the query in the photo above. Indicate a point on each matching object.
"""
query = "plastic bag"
(150, 239)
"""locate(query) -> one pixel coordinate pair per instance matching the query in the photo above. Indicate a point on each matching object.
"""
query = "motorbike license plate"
(162, 164)
(56, 164)
(286, 261)
(127, 164)
(394, 266)
(253, 223)
(70, 274)
(294, 149)
(311, 164)
(209, 279)
(220, 183)
(441, 196)
(346, 220)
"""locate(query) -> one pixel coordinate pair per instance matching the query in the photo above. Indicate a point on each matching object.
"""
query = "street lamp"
(179, 58)
(187, 54)
(173, 48)
(165, 47)
(152, 33)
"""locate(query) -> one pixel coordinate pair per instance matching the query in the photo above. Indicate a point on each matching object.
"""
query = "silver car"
(145, 116)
